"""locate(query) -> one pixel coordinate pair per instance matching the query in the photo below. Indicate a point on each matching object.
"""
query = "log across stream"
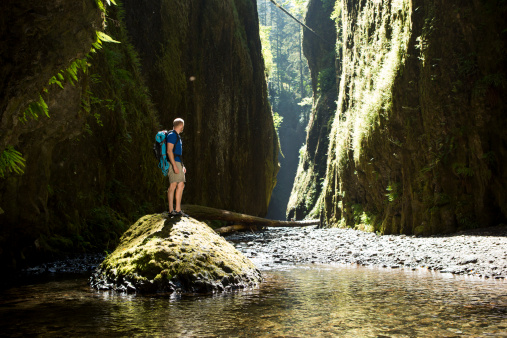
(240, 221)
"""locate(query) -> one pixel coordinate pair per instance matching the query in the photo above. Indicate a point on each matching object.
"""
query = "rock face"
(320, 53)
(89, 167)
(203, 62)
(418, 139)
(174, 254)
(86, 169)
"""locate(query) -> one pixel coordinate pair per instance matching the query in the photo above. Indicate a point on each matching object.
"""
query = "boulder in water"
(174, 254)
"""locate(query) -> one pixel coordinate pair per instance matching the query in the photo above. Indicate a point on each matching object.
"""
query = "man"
(177, 171)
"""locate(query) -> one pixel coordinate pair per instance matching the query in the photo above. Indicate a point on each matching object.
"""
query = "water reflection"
(302, 301)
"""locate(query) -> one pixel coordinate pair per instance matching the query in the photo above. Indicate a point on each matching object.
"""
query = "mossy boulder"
(174, 254)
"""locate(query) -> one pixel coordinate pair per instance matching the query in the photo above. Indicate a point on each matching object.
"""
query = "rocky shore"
(481, 252)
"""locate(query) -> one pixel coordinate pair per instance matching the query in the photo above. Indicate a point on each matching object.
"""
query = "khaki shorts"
(174, 178)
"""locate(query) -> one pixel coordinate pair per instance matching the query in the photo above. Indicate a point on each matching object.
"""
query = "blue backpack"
(160, 151)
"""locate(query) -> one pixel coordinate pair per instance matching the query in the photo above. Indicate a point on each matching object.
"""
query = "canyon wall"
(319, 50)
(418, 142)
(202, 61)
(89, 170)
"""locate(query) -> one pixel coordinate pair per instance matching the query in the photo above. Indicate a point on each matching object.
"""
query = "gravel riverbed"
(481, 252)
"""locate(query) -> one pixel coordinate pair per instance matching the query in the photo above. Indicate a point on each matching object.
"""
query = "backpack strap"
(178, 139)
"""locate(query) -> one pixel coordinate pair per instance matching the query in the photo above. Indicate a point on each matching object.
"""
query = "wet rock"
(468, 260)
(174, 254)
(468, 253)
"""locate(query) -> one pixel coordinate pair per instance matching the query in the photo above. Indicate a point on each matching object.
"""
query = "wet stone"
(456, 254)
(198, 259)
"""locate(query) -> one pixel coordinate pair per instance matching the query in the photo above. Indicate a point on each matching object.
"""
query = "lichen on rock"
(174, 255)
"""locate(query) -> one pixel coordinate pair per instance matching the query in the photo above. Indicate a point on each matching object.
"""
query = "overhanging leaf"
(106, 38)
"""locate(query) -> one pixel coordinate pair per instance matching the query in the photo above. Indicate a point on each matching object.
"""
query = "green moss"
(420, 230)
(156, 250)
(326, 79)
(393, 190)
(363, 220)
(170, 65)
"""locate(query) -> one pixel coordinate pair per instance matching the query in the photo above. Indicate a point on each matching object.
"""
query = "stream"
(295, 299)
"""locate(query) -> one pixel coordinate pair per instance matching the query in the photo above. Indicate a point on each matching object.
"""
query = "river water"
(294, 300)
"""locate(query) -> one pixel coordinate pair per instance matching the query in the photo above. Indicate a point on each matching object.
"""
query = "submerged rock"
(174, 254)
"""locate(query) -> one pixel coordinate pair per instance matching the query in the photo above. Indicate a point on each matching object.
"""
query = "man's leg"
(179, 195)
(170, 195)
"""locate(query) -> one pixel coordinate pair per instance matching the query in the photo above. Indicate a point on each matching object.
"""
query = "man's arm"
(170, 155)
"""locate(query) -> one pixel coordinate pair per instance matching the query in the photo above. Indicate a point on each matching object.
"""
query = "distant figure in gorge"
(177, 171)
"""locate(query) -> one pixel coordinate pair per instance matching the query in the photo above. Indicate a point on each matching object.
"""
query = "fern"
(35, 109)
(11, 160)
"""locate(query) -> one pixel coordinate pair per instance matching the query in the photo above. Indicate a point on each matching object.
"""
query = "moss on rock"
(174, 254)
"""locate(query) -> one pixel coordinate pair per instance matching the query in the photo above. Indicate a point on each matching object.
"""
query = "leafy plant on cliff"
(461, 170)
(326, 79)
(277, 121)
(35, 109)
(11, 160)
(69, 75)
(363, 220)
(393, 192)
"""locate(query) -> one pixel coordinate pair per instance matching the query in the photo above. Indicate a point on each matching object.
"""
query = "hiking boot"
(181, 213)
(174, 213)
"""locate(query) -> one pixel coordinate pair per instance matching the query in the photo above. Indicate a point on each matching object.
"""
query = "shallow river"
(301, 301)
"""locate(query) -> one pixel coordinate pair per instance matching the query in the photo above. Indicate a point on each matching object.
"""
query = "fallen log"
(203, 213)
(236, 227)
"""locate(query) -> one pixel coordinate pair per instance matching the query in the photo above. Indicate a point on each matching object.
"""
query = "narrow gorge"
(89, 170)
(344, 168)
(417, 140)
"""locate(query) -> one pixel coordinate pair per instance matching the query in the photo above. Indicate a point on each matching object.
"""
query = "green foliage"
(337, 12)
(311, 195)
(369, 71)
(306, 101)
(281, 39)
(465, 212)
(467, 65)
(101, 38)
(35, 109)
(362, 220)
(491, 80)
(442, 199)
(326, 79)
(490, 157)
(70, 75)
(170, 65)
(101, 6)
(266, 50)
(104, 226)
(302, 151)
(393, 192)
(277, 121)
(328, 4)
(11, 160)
(461, 170)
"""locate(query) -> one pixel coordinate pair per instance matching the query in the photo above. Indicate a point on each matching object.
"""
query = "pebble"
(478, 253)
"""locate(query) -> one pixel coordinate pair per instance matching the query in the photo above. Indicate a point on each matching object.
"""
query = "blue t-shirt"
(178, 147)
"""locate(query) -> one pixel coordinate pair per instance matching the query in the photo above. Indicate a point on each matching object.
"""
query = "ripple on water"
(298, 301)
